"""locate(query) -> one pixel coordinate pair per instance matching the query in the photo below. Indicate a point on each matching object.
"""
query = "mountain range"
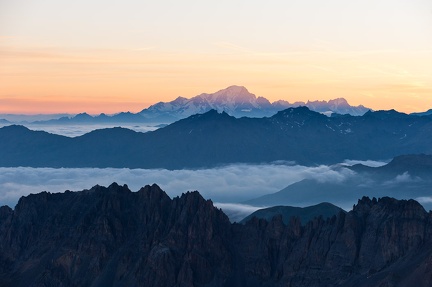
(236, 101)
(115, 237)
(427, 113)
(212, 139)
(407, 176)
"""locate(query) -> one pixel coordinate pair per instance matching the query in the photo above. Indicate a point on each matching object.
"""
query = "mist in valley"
(230, 187)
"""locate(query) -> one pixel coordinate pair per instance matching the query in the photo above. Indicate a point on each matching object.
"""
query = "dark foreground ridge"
(115, 237)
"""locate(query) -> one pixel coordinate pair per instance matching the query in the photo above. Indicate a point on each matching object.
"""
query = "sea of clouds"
(227, 186)
(74, 130)
(78, 130)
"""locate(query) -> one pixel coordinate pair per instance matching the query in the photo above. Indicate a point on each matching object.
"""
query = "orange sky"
(55, 62)
(95, 81)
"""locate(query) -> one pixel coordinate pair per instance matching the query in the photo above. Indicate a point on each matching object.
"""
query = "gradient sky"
(111, 56)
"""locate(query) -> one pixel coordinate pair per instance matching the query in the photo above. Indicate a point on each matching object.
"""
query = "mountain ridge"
(212, 139)
(407, 176)
(238, 101)
(235, 100)
(111, 236)
(414, 164)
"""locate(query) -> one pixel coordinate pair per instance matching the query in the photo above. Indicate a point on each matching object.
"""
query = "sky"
(109, 56)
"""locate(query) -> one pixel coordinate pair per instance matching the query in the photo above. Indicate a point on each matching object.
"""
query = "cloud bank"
(371, 163)
(225, 186)
(73, 130)
(229, 184)
(236, 211)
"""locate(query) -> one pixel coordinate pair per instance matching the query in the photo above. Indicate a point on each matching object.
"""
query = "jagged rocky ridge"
(115, 237)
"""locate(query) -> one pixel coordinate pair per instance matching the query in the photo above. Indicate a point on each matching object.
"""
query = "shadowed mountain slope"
(115, 237)
(415, 164)
(407, 176)
(212, 138)
(304, 214)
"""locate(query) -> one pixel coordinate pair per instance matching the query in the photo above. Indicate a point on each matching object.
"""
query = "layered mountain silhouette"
(408, 176)
(27, 118)
(212, 138)
(115, 237)
(239, 102)
(236, 101)
(417, 165)
(427, 113)
(123, 117)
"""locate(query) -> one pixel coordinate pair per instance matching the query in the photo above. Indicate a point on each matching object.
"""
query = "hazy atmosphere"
(234, 183)
(237, 143)
(226, 186)
(111, 56)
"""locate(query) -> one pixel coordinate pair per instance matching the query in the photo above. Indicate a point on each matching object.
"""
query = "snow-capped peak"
(231, 95)
(238, 101)
(338, 102)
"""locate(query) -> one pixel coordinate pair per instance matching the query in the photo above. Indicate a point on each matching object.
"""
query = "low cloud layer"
(73, 130)
(233, 183)
(402, 178)
(236, 211)
(371, 163)
(226, 186)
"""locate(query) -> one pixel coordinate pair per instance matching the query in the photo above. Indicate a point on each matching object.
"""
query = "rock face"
(115, 237)
(111, 236)
(379, 243)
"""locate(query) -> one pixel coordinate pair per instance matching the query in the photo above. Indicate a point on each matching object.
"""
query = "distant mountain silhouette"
(236, 101)
(305, 214)
(239, 102)
(124, 117)
(427, 113)
(27, 118)
(404, 177)
(115, 237)
(211, 139)
(419, 165)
